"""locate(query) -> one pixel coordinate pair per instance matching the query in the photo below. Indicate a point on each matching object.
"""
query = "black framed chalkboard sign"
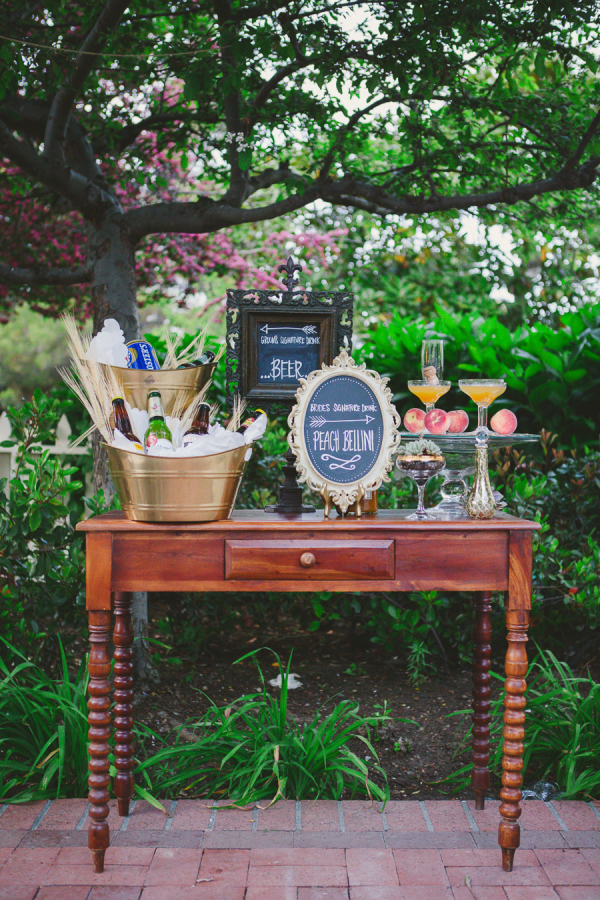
(344, 432)
(276, 337)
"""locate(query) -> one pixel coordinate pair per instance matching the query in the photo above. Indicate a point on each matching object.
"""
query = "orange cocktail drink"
(483, 392)
(427, 393)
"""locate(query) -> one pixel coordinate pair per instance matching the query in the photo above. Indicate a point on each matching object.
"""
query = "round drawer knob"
(307, 560)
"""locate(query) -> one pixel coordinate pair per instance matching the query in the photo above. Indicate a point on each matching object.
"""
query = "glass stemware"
(420, 470)
(483, 392)
(428, 393)
(432, 356)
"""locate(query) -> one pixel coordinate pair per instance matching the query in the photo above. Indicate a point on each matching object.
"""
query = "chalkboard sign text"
(343, 429)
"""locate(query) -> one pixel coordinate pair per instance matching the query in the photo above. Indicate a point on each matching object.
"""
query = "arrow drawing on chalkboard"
(308, 329)
(317, 421)
(341, 463)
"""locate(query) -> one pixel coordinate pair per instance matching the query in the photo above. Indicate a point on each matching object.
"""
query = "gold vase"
(481, 503)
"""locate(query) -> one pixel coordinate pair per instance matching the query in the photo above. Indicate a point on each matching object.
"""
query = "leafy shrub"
(43, 731)
(42, 559)
(553, 374)
(562, 737)
(252, 751)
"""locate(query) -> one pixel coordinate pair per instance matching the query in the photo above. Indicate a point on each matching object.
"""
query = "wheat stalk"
(188, 415)
(172, 347)
(93, 384)
(239, 407)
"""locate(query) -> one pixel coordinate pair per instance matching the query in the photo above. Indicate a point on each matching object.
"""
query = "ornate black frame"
(333, 309)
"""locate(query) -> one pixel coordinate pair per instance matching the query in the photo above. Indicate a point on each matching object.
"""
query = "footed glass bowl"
(420, 469)
(459, 453)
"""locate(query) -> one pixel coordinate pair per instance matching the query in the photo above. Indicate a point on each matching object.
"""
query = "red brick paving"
(312, 851)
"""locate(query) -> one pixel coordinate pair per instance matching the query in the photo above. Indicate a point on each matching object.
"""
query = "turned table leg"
(123, 694)
(99, 733)
(514, 734)
(482, 635)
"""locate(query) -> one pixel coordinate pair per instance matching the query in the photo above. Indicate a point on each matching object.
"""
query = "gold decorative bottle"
(481, 503)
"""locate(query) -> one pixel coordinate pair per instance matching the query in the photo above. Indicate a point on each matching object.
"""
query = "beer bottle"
(123, 423)
(207, 357)
(199, 426)
(248, 422)
(158, 433)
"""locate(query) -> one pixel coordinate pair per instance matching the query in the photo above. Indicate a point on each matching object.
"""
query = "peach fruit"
(459, 421)
(414, 420)
(503, 422)
(437, 421)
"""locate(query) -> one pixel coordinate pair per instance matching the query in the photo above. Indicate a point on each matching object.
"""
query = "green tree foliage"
(269, 107)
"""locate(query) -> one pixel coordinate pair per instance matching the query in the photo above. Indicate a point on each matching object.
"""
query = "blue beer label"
(141, 355)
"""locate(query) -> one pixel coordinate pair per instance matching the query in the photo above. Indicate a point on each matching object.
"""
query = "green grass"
(562, 731)
(43, 731)
(252, 750)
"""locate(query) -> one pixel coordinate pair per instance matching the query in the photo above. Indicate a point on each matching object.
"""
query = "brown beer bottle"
(199, 426)
(248, 422)
(123, 423)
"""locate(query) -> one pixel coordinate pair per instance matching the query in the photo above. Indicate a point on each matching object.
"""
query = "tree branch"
(86, 196)
(268, 87)
(274, 176)
(29, 117)
(237, 185)
(586, 138)
(56, 126)
(15, 275)
(328, 160)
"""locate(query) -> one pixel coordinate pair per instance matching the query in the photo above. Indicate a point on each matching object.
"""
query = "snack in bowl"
(421, 460)
(420, 456)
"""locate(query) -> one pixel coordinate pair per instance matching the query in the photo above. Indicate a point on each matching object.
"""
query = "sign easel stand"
(290, 492)
(255, 317)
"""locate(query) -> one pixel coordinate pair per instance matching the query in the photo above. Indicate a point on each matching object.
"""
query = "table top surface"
(259, 520)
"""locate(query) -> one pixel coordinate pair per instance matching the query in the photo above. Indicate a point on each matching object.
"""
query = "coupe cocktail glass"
(427, 393)
(483, 392)
(420, 470)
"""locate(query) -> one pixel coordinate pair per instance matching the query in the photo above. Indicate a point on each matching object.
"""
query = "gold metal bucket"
(170, 382)
(168, 489)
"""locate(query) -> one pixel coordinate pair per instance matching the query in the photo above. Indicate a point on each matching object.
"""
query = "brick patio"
(323, 850)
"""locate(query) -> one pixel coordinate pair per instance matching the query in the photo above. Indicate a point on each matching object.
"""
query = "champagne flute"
(432, 357)
(483, 392)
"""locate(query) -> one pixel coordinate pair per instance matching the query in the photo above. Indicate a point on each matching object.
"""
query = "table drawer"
(309, 560)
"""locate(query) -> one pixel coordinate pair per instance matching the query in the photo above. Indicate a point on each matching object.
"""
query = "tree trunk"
(111, 251)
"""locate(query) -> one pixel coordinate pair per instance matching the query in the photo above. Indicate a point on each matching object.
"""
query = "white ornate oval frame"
(346, 494)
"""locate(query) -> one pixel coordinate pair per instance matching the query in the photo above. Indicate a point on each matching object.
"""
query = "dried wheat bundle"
(86, 383)
(176, 357)
(188, 415)
(239, 407)
(194, 349)
(214, 411)
(93, 383)
(172, 348)
(78, 341)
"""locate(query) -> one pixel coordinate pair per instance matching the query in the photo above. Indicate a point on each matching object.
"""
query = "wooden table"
(256, 551)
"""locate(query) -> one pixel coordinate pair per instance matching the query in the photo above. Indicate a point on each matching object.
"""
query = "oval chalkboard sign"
(344, 431)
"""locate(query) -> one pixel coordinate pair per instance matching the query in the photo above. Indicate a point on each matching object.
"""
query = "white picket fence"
(8, 455)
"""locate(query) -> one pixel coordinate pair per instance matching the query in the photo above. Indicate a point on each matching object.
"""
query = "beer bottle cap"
(154, 393)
